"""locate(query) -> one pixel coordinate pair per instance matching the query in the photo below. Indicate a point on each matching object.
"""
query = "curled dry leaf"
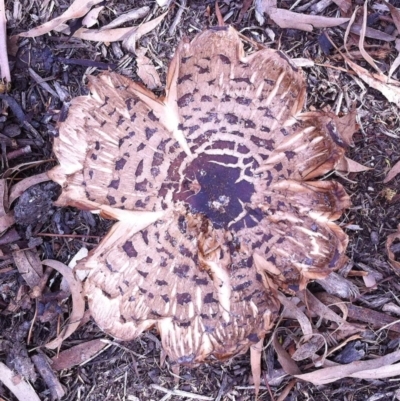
(18, 189)
(127, 17)
(29, 266)
(396, 62)
(81, 275)
(288, 364)
(129, 36)
(20, 388)
(395, 15)
(391, 255)
(78, 9)
(289, 19)
(293, 312)
(255, 362)
(78, 302)
(369, 32)
(390, 88)
(364, 53)
(317, 307)
(358, 369)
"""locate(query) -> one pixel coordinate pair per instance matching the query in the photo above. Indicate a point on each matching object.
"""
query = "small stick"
(4, 66)
(19, 152)
(67, 235)
(180, 393)
(177, 18)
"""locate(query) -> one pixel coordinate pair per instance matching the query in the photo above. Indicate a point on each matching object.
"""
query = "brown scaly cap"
(213, 189)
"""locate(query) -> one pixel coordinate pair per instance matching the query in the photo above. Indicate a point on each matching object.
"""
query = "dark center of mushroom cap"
(216, 189)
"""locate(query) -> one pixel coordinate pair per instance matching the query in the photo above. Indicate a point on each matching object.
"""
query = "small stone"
(374, 237)
(12, 130)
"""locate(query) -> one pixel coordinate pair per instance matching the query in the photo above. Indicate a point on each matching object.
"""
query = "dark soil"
(126, 371)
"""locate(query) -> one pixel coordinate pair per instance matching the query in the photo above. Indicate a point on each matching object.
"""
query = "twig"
(177, 18)
(181, 393)
(4, 66)
(19, 152)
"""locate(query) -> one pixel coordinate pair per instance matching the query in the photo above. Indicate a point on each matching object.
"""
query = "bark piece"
(43, 367)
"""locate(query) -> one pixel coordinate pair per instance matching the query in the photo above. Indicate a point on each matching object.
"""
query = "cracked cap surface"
(214, 192)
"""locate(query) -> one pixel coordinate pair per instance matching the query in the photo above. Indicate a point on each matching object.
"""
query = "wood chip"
(43, 367)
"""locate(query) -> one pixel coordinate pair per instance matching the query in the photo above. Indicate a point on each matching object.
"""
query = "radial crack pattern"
(225, 163)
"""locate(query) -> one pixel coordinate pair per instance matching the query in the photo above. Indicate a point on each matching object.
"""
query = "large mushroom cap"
(214, 190)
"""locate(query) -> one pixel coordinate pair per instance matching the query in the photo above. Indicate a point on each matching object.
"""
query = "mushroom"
(214, 192)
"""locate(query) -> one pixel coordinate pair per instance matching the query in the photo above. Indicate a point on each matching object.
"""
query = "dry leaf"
(359, 369)
(129, 36)
(289, 19)
(129, 43)
(292, 311)
(29, 266)
(129, 16)
(77, 354)
(146, 70)
(288, 364)
(366, 56)
(392, 173)
(18, 189)
(255, 362)
(6, 221)
(389, 242)
(347, 165)
(395, 15)
(370, 32)
(81, 274)
(389, 88)
(77, 299)
(396, 62)
(344, 5)
(91, 18)
(77, 9)
(316, 306)
(369, 281)
(21, 389)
